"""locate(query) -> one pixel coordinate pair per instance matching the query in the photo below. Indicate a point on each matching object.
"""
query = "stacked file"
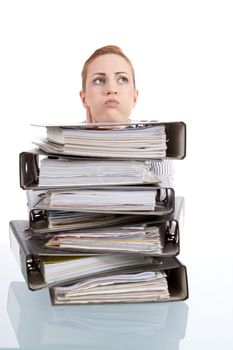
(104, 221)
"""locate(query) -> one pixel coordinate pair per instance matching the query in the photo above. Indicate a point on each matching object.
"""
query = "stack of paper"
(71, 172)
(126, 239)
(66, 220)
(67, 268)
(105, 200)
(138, 287)
(146, 142)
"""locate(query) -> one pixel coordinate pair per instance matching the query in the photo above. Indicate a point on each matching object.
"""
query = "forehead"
(109, 63)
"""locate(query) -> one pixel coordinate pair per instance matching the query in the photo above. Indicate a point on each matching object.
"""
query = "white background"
(182, 53)
(183, 57)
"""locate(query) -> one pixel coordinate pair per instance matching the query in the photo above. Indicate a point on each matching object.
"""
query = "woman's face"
(110, 94)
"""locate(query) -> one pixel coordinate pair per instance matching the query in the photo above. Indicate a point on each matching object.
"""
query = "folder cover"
(40, 223)
(29, 248)
(131, 172)
(164, 200)
(175, 135)
(176, 279)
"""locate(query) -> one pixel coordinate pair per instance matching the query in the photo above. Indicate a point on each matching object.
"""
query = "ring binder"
(30, 166)
(176, 279)
(39, 219)
(175, 135)
(163, 206)
(31, 248)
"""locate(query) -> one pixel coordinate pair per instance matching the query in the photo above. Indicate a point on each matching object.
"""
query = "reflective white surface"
(27, 319)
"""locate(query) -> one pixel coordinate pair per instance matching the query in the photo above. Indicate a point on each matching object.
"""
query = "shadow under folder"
(39, 325)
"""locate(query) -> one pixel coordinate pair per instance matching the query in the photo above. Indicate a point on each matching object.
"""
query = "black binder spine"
(29, 263)
(20, 250)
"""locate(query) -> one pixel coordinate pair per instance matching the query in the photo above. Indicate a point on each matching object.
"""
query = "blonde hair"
(109, 49)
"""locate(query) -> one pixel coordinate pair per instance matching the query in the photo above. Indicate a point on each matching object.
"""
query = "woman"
(108, 86)
(109, 94)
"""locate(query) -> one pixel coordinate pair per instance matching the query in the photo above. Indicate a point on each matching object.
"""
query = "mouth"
(111, 102)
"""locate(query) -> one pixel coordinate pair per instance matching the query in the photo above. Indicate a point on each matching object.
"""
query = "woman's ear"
(83, 98)
(135, 97)
(88, 112)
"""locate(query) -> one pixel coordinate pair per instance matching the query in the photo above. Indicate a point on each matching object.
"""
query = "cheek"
(90, 98)
(129, 100)
(129, 93)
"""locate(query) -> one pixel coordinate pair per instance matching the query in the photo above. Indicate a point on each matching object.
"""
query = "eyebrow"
(121, 73)
(103, 74)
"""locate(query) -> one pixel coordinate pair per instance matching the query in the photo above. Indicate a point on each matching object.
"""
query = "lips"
(111, 102)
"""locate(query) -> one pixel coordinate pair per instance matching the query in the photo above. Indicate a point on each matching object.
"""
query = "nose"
(111, 92)
(111, 88)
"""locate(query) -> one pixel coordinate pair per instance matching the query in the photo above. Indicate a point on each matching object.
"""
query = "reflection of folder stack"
(93, 326)
(77, 217)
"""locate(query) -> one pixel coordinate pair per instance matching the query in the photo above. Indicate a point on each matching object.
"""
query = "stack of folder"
(104, 220)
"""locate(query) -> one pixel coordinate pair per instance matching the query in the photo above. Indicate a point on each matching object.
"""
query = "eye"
(99, 81)
(123, 80)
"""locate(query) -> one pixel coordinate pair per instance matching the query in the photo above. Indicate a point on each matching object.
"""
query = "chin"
(111, 119)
